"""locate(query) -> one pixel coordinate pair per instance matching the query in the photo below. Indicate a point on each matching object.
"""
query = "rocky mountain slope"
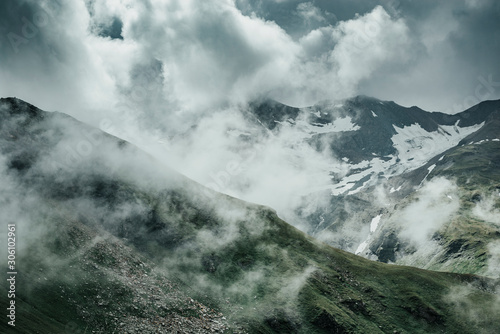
(402, 169)
(110, 240)
(375, 138)
(466, 240)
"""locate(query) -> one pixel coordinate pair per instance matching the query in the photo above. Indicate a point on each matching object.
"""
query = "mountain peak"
(15, 106)
(366, 99)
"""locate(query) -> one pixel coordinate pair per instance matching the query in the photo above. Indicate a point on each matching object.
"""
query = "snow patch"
(373, 227)
(341, 124)
(394, 190)
(430, 169)
(374, 114)
(361, 247)
(416, 146)
(374, 223)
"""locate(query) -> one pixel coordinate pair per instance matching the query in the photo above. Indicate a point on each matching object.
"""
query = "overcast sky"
(171, 58)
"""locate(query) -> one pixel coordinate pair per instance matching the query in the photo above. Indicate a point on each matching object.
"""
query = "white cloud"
(229, 155)
(487, 209)
(310, 13)
(335, 60)
(368, 42)
(437, 202)
(210, 54)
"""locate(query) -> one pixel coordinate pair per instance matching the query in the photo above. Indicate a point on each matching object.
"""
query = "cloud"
(211, 53)
(487, 208)
(477, 310)
(454, 54)
(437, 202)
(358, 47)
(87, 54)
(310, 13)
(230, 155)
(48, 58)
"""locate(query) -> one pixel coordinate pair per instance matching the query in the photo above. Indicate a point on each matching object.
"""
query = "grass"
(340, 292)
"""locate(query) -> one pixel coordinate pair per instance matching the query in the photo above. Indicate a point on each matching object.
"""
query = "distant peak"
(368, 99)
(15, 106)
(365, 98)
(11, 99)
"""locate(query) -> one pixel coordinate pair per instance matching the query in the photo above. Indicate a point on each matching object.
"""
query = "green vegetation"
(274, 279)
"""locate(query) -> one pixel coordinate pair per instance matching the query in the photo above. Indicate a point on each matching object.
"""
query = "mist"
(487, 208)
(436, 202)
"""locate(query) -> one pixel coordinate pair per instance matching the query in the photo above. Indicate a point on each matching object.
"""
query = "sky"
(186, 57)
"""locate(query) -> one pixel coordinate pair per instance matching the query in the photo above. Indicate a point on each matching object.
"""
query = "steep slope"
(465, 241)
(386, 153)
(110, 240)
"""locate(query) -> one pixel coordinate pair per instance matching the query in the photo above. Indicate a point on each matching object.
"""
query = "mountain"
(401, 169)
(376, 138)
(110, 240)
(465, 241)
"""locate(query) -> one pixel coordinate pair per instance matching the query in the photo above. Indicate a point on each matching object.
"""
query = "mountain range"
(112, 240)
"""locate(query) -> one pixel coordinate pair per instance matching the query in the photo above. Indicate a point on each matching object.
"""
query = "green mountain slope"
(109, 241)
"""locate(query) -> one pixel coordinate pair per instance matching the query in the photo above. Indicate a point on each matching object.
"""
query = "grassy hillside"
(279, 280)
